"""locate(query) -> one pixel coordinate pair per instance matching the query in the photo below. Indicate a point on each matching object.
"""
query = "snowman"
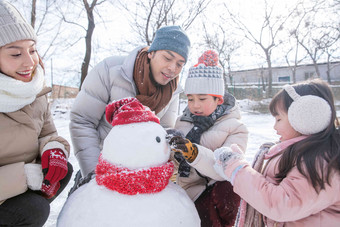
(132, 186)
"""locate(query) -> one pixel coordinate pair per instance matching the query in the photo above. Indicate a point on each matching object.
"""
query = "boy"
(210, 121)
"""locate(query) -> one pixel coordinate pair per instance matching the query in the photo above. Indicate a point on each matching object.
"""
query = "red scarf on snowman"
(122, 179)
(132, 182)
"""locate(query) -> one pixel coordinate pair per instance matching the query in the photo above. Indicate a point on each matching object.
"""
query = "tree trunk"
(270, 75)
(88, 42)
(316, 68)
(33, 12)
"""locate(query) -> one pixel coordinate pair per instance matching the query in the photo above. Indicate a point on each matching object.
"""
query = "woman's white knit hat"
(308, 114)
(206, 77)
(13, 26)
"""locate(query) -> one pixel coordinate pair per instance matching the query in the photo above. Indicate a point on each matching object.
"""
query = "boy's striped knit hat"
(206, 77)
(13, 26)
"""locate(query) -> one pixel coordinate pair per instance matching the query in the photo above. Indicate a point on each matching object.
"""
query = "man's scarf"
(149, 93)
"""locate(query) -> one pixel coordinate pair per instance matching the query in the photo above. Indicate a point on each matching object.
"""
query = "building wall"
(284, 74)
(59, 91)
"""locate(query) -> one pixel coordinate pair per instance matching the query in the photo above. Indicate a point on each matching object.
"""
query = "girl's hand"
(228, 161)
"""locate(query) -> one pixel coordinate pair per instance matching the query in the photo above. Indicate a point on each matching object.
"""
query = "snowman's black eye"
(158, 139)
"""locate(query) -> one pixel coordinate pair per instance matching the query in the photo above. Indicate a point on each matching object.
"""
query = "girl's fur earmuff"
(308, 114)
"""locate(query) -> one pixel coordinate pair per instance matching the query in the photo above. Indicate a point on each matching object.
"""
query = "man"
(148, 73)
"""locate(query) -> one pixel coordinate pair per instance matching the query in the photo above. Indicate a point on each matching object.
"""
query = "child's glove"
(184, 146)
(50, 190)
(228, 161)
(54, 166)
(171, 132)
(34, 176)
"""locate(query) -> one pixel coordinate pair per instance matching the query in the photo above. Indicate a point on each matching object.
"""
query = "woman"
(33, 158)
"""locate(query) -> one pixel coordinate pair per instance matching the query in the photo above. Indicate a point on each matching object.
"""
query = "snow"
(146, 209)
(131, 151)
(120, 145)
(260, 126)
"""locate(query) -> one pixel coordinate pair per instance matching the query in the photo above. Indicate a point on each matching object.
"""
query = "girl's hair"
(318, 154)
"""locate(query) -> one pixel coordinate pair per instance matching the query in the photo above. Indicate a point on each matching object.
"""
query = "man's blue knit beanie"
(171, 38)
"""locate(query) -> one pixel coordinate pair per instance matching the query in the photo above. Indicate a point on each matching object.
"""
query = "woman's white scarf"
(15, 94)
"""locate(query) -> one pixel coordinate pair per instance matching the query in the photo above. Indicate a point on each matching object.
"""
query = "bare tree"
(45, 22)
(315, 37)
(293, 64)
(293, 44)
(267, 38)
(33, 12)
(88, 38)
(89, 8)
(221, 40)
(332, 42)
(146, 17)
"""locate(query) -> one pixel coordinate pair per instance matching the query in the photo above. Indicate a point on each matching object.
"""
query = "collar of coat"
(229, 103)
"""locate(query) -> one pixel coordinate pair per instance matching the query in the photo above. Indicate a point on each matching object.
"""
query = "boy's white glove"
(34, 176)
(228, 161)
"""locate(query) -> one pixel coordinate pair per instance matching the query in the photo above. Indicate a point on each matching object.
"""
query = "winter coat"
(110, 80)
(292, 202)
(227, 130)
(25, 134)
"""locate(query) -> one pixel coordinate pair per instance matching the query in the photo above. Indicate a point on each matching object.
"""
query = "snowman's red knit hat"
(127, 111)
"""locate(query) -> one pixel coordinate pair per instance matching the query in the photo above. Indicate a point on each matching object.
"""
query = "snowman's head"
(136, 145)
(137, 140)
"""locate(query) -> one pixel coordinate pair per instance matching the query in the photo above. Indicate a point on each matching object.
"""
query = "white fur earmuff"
(308, 114)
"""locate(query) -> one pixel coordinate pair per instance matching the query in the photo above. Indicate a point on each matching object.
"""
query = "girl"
(33, 158)
(299, 183)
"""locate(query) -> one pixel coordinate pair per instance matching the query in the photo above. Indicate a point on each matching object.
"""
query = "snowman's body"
(134, 146)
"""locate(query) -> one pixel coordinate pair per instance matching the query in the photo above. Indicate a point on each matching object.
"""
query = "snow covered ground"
(260, 126)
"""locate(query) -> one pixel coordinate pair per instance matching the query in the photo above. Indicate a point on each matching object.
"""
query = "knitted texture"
(54, 166)
(128, 110)
(15, 94)
(206, 77)
(308, 114)
(13, 26)
(132, 182)
(50, 190)
(171, 38)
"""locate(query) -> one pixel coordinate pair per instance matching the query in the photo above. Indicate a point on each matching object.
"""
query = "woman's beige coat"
(25, 134)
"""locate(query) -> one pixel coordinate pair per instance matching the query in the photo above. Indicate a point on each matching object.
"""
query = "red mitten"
(50, 190)
(54, 166)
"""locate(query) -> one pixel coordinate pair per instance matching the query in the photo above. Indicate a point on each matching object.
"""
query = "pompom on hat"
(13, 26)
(308, 114)
(127, 111)
(206, 77)
(172, 38)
